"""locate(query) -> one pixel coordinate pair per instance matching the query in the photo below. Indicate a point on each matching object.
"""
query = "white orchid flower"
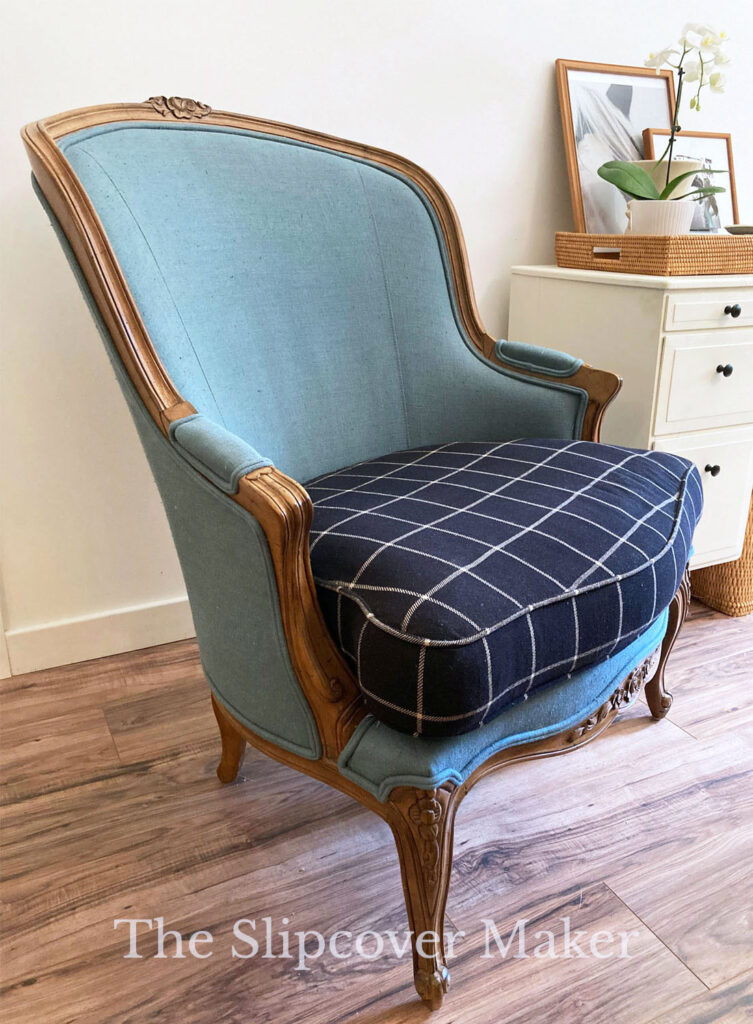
(696, 28)
(698, 62)
(691, 41)
(698, 36)
(658, 60)
(692, 70)
(717, 81)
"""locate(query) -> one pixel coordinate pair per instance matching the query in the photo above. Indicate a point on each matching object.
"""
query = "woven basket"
(663, 255)
(728, 587)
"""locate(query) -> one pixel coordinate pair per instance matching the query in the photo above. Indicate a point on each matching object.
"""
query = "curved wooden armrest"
(601, 386)
(284, 510)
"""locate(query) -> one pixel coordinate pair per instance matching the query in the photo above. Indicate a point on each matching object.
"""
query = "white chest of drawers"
(684, 348)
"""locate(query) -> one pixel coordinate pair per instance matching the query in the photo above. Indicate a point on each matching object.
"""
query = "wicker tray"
(663, 255)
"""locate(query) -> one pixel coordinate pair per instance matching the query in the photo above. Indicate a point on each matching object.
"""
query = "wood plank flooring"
(111, 809)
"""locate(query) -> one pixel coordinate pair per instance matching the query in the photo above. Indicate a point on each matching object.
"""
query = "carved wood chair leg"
(233, 746)
(422, 823)
(657, 696)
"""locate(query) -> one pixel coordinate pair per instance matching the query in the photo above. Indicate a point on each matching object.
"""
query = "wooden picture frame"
(650, 150)
(564, 69)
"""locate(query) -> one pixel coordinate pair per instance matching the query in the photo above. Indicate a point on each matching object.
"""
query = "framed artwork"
(712, 150)
(605, 108)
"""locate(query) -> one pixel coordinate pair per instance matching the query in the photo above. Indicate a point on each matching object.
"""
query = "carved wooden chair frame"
(421, 820)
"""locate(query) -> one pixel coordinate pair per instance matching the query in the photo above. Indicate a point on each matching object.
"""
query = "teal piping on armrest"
(537, 359)
(218, 454)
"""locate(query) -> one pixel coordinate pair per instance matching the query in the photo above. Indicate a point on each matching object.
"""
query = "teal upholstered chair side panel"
(229, 575)
(233, 592)
(300, 297)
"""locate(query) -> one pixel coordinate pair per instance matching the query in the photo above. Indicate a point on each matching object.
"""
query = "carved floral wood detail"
(179, 106)
(426, 815)
(622, 696)
(422, 823)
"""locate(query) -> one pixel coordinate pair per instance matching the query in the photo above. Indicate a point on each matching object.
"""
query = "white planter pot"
(659, 216)
(658, 174)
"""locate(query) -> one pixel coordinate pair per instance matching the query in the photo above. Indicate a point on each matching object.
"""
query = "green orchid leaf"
(702, 191)
(668, 189)
(629, 178)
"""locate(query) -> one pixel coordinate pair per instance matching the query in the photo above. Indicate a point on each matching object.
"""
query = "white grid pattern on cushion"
(458, 578)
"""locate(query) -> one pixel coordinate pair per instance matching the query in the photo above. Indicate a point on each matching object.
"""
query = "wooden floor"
(112, 810)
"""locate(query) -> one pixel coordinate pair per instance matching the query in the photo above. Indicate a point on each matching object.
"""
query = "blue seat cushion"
(459, 579)
(378, 758)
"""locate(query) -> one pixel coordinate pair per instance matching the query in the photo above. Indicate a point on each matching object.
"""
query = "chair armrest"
(521, 356)
(283, 510)
(215, 452)
(562, 371)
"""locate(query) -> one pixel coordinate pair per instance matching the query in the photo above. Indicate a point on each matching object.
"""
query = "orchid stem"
(675, 125)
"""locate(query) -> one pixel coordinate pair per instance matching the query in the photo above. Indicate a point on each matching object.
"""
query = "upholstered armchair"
(408, 561)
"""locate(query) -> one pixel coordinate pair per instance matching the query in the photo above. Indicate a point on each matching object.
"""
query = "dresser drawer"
(720, 533)
(705, 381)
(702, 310)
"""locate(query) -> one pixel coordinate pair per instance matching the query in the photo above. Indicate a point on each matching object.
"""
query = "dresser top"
(638, 280)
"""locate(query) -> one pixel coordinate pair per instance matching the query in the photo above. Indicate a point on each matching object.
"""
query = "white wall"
(464, 87)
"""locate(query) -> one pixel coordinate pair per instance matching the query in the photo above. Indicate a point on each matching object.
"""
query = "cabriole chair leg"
(422, 823)
(657, 696)
(233, 746)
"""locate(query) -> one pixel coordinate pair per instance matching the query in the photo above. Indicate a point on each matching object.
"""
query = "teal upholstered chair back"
(299, 296)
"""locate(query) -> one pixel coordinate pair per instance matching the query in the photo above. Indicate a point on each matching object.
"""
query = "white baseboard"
(95, 636)
(4, 659)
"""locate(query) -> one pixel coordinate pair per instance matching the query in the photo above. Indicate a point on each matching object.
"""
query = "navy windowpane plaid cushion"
(457, 579)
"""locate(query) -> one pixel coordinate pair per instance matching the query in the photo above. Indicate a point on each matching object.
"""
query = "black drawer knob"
(714, 470)
(726, 371)
(733, 311)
